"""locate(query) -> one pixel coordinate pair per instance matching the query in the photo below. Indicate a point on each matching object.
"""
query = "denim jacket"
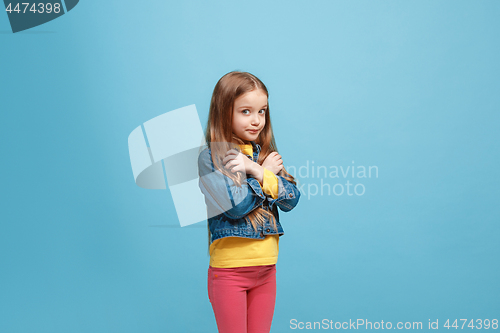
(228, 204)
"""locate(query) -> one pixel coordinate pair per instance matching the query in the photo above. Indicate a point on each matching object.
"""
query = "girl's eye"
(244, 111)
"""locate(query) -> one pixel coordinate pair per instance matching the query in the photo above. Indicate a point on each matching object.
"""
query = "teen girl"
(244, 181)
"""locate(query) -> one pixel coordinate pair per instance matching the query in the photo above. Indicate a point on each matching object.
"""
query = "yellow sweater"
(238, 251)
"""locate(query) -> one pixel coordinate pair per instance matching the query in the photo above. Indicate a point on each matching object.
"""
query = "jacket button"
(268, 229)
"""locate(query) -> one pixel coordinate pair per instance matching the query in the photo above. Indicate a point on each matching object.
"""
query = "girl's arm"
(233, 201)
(288, 195)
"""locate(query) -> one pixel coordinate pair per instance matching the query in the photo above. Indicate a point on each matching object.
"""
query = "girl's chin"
(247, 137)
(252, 135)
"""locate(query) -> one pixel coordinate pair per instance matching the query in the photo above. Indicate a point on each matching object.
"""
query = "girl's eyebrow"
(249, 107)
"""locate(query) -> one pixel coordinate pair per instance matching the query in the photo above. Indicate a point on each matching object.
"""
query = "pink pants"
(243, 298)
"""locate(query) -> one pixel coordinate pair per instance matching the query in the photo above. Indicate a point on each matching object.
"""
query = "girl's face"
(249, 112)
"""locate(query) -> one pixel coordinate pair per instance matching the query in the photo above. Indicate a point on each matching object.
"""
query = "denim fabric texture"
(228, 204)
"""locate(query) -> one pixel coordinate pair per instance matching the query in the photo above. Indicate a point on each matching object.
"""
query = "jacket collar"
(256, 146)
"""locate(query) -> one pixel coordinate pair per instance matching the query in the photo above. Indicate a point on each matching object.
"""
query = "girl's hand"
(235, 161)
(273, 162)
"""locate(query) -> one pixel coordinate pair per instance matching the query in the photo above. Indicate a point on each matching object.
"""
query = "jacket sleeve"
(233, 201)
(288, 195)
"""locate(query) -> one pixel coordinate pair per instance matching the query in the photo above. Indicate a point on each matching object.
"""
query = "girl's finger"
(229, 157)
(232, 151)
(231, 163)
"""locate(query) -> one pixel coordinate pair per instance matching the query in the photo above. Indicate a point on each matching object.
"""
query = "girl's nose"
(255, 120)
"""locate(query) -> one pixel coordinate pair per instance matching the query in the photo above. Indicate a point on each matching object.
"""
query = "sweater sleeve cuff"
(270, 184)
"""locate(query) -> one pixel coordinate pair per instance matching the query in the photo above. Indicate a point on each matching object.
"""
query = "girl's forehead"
(254, 96)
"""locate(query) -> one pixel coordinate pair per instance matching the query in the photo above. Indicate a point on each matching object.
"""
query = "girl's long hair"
(219, 131)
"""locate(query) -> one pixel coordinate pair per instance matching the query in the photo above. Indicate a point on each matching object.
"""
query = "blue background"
(408, 86)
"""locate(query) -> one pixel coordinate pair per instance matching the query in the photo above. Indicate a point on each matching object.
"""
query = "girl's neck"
(244, 142)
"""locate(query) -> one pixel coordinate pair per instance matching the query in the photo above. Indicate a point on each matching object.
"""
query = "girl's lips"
(253, 132)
